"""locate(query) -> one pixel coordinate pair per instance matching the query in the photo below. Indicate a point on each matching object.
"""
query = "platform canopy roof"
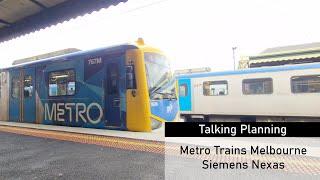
(288, 53)
(20, 17)
(293, 54)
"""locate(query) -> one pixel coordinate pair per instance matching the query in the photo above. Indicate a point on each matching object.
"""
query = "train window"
(28, 88)
(215, 88)
(257, 86)
(305, 84)
(183, 90)
(15, 90)
(113, 78)
(62, 83)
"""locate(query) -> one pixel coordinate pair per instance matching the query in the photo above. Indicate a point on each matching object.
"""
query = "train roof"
(116, 48)
(253, 70)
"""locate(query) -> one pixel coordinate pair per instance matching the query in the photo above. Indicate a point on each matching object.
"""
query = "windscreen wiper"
(158, 87)
(171, 94)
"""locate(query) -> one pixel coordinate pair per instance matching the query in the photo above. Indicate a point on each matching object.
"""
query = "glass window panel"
(215, 88)
(15, 90)
(28, 87)
(183, 90)
(113, 78)
(257, 86)
(305, 84)
(62, 83)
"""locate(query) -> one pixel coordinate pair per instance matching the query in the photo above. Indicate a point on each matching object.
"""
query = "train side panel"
(282, 102)
(95, 93)
(83, 90)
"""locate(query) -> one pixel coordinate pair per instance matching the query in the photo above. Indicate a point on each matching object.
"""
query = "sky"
(193, 34)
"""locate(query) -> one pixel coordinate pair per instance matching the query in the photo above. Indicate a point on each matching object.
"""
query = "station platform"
(156, 139)
(155, 143)
(156, 135)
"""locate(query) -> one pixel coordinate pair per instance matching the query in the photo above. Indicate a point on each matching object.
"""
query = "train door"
(112, 94)
(185, 94)
(29, 103)
(15, 96)
(40, 91)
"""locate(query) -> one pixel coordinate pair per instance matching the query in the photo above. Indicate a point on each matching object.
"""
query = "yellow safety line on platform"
(116, 142)
(294, 164)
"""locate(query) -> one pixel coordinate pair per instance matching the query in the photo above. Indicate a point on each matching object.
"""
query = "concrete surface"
(25, 157)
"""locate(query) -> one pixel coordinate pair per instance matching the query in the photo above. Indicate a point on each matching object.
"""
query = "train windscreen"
(160, 80)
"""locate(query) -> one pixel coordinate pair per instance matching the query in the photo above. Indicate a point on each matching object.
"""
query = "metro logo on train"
(82, 112)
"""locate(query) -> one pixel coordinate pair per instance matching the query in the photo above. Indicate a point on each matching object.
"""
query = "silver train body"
(283, 93)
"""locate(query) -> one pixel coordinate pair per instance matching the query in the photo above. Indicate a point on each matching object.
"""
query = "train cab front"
(162, 89)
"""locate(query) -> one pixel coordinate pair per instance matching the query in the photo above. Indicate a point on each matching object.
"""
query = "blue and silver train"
(125, 87)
